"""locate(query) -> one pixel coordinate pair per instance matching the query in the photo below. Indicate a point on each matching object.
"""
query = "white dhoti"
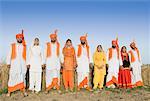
(82, 76)
(52, 78)
(16, 82)
(17, 72)
(83, 71)
(53, 67)
(136, 74)
(136, 68)
(114, 63)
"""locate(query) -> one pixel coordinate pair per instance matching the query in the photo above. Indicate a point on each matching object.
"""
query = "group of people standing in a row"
(124, 68)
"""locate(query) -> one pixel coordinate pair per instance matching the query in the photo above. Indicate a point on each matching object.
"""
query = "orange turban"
(19, 35)
(83, 38)
(132, 43)
(114, 42)
(54, 35)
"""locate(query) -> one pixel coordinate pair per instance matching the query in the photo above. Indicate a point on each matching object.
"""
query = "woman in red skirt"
(124, 78)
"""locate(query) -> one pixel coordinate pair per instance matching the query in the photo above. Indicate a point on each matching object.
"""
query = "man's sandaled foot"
(59, 91)
(8, 94)
(71, 90)
(25, 94)
(36, 92)
(89, 89)
(46, 92)
(78, 89)
(66, 90)
(32, 91)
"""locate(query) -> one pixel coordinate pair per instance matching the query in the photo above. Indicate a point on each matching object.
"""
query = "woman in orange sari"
(69, 65)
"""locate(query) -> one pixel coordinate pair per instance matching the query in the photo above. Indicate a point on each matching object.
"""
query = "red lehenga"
(124, 76)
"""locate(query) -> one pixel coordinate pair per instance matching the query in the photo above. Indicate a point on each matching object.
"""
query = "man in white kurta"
(84, 61)
(52, 59)
(114, 61)
(16, 61)
(35, 63)
(135, 61)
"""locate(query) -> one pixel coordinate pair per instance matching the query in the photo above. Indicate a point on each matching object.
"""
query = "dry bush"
(146, 74)
(4, 72)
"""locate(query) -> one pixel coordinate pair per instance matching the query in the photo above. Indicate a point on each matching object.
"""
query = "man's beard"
(19, 41)
(53, 41)
(113, 46)
(132, 47)
(83, 43)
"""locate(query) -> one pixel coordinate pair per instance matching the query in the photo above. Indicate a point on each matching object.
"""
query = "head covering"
(115, 42)
(32, 44)
(124, 54)
(132, 43)
(83, 38)
(54, 35)
(21, 35)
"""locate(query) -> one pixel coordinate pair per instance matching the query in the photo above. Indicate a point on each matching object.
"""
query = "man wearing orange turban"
(16, 61)
(114, 61)
(135, 61)
(84, 59)
(52, 57)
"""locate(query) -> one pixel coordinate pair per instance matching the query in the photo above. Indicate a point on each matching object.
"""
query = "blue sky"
(102, 20)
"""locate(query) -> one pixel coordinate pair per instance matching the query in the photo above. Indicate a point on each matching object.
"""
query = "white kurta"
(83, 64)
(52, 64)
(114, 64)
(35, 61)
(136, 67)
(18, 67)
